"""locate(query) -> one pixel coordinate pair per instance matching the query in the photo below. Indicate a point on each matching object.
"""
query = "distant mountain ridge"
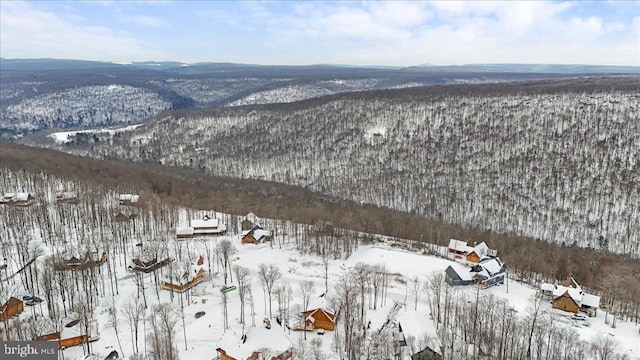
(199, 67)
(40, 94)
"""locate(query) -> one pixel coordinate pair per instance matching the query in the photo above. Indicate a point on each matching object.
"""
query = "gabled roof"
(571, 282)
(492, 265)
(257, 232)
(413, 323)
(323, 301)
(575, 294)
(590, 300)
(458, 245)
(16, 197)
(205, 222)
(257, 338)
(481, 249)
(196, 268)
(457, 272)
(547, 287)
(252, 217)
(129, 197)
(184, 231)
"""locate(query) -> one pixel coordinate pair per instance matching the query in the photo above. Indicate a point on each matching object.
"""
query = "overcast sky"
(391, 33)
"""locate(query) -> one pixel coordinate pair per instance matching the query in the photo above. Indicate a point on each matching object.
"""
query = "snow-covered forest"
(86, 106)
(377, 283)
(558, 162)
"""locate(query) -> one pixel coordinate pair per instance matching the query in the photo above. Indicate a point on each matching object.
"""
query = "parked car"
(199, 314)
(579, 317)
(72, 323)
(31, 300)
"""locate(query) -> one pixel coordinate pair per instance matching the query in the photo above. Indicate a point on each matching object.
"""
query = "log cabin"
(320, 314)
(256, 235)
(12, 307)
(569, 296)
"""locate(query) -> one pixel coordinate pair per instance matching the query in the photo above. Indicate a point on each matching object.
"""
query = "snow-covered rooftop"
(413, 323)
(205, 223)
(258, 339)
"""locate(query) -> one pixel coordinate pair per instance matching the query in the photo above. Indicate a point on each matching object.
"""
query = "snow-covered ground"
(62, 137)
(203, 334)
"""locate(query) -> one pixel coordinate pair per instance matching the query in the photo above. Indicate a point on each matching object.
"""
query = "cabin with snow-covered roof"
(256, 235)
(569, 296)
(129, 200)
(460, 250)
(260, 342)
(207, 226)
(320, 314)
(489, 271)
(17, 199)
(457, 275)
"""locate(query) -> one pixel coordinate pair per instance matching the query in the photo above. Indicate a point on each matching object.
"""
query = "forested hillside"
(554, 160)
(39, 94)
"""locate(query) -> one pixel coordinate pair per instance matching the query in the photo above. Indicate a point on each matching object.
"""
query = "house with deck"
(266, 342)
(149, 265)
(73, 334)
(186, 280)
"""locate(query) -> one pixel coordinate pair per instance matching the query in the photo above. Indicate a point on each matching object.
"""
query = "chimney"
(267, 323)
(475, 244)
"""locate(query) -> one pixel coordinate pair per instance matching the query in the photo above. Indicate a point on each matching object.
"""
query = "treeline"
(615, 277)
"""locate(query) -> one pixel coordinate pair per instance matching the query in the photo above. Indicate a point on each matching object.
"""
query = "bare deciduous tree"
(305, 292)
(268, 276)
